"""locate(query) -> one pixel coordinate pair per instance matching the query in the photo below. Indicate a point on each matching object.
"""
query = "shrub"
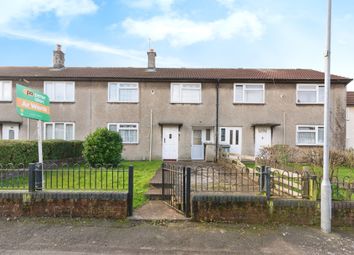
(24, 152)
(103, 147)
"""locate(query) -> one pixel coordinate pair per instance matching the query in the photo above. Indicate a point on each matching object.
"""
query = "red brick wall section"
(64, 204)
(256, 210)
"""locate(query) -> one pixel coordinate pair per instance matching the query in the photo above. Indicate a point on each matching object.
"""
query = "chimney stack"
(58, 57)
(151, 59)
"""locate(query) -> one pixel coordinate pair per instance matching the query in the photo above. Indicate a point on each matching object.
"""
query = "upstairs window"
(128, 131)
(5, 90)
(190, 93)
(60, 91)
(249, 93)
(123, 92)
(309, 135)
(59, 130)
(309, 94)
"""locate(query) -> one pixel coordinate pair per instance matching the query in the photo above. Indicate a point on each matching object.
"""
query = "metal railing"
(176, 187)
(222, 179)
(85, 177)
(13, 177)
(65, 177)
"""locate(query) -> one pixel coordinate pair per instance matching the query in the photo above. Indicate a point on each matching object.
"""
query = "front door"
(232, 137)
(170, 143)
(263, 138)
(10, 131)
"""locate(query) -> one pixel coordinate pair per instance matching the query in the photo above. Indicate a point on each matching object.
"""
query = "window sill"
(130, 143)
(176, 103)
(5, 101)
(309, 145)
(62, 102)
(309, 104)
(117, 102)
(234, 103)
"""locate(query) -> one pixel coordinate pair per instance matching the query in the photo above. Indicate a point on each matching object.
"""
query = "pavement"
(88, 236)
(156, 210)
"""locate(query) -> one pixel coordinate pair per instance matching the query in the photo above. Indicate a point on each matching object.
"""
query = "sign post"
(33, 104)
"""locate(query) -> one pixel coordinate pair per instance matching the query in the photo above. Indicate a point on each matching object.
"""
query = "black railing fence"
(269, 181)
(176, 186)
(68, 177)
(13, 176)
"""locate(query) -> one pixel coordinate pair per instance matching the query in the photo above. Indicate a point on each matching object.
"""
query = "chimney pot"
(151, 59)
(58, 57)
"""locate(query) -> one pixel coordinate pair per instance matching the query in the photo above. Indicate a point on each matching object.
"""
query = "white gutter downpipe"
(326, 192)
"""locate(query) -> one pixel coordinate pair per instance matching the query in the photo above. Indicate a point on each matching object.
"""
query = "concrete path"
(77, 236)
(156, 210)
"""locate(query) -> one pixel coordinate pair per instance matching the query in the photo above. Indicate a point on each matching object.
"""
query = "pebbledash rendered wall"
(64, 204)
(257, 210)
(91, 110)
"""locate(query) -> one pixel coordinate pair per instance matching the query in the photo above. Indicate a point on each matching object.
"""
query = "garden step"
(156, 181)
(156, 194)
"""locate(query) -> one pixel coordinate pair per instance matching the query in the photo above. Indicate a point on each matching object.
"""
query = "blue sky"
(185, 33)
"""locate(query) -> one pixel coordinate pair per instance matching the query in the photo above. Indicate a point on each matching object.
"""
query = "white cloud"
(133, 57)
(164, 5)
(22, 10)
(182, 32)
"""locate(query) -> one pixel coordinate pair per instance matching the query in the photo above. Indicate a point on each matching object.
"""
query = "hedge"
(18, 151)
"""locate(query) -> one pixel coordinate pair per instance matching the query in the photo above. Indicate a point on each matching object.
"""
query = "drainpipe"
(217, 121)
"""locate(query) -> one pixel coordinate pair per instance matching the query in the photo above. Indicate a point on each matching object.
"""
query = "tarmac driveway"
(79, 236)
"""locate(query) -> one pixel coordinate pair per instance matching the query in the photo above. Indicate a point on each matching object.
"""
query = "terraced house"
(178, 113)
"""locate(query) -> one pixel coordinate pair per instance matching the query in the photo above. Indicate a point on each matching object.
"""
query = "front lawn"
(143, 172)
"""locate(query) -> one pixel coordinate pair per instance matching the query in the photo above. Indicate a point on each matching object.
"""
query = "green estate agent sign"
(32, 103)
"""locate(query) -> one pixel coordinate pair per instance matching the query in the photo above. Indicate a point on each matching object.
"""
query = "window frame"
(2, 82)
(181, 84)
(317, 90)
(120, 83)
(245, 89)
(315, 131)
(53, 134)
(58, 82)
(126, 123)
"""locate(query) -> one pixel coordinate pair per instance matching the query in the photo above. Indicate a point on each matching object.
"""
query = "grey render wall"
(91, 110)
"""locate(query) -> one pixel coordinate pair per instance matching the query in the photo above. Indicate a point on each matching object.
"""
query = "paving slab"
(157, 210)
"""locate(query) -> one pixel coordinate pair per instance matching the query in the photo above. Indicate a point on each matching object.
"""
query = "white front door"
(263, 138)
(231, 136)
(10, 131)
(170, 143)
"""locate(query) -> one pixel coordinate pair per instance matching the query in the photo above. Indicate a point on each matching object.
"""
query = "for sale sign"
(32, 104)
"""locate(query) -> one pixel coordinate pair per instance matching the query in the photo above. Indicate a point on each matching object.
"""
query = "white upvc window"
(123, 92)
(59, 130)
(189, 93)
(128, 131)
(309, 93)
(249, 93)
(5, 90)
(60, 91)
(309, 135)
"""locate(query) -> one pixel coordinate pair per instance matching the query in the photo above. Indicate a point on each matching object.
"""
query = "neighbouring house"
(178, 113)
(350, 120)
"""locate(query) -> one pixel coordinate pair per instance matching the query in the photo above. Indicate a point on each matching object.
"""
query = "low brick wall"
(64, 204)
(257, 210)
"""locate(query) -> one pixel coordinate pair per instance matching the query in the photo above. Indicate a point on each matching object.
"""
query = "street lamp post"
(326, 192)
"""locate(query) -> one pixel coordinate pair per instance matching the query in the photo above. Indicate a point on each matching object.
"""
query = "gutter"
(217, 120)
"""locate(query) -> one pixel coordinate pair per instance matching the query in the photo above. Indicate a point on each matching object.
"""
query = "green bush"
(24, 152)
(103, 147)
